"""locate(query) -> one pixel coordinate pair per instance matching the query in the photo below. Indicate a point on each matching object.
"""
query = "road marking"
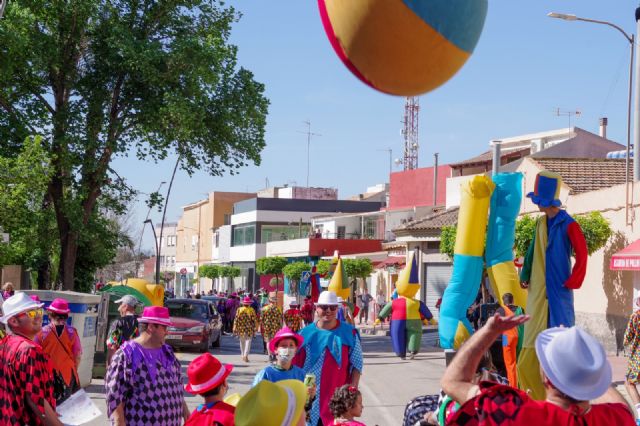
(369, 395)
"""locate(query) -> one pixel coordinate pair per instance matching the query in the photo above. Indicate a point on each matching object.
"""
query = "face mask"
(286, 354)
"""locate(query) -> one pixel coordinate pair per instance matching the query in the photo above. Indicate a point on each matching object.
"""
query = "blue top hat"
(546, 190)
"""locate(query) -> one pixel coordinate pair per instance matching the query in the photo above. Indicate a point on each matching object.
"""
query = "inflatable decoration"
(403, 47)
(407, 313)
(501, 233)
(339, 283)
(467, 262)
(153, 292)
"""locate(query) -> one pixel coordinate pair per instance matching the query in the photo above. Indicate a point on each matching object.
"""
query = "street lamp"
(155, 238)
(142, 232)
(630, 39)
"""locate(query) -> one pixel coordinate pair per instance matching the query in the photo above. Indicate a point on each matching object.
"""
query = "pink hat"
(155, 315)
(247, 300)
(35, 298)
(59, 306)
(285, 333)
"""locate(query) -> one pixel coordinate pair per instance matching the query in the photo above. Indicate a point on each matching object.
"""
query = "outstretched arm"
(579, 245)
(457, 379)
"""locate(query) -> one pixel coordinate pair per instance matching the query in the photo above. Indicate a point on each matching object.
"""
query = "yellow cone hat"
(339, 283)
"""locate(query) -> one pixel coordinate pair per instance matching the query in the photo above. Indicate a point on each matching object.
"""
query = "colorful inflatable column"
(407, 313)
(468, 262)
(403, 47)
(501, 234)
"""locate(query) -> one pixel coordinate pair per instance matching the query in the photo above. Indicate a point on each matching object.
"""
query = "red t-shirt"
(500, 405)
(214, 414)
(25, 370)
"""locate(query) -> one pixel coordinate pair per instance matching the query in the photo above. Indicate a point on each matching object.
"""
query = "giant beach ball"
(403, 47)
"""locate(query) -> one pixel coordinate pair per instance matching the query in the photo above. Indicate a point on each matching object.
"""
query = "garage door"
(437, 276)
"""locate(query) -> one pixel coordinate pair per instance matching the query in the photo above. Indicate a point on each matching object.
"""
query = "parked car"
(196, 324)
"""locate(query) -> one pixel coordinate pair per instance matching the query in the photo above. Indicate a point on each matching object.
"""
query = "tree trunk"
(68, 256)
(44, 275)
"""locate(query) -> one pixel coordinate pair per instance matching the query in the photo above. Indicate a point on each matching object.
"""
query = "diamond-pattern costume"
(24, 371)
(148, 383)
(293, 319)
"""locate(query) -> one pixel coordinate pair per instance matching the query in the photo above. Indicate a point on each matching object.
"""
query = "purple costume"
(148, 384)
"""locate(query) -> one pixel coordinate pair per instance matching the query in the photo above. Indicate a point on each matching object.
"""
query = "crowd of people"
(312, 377)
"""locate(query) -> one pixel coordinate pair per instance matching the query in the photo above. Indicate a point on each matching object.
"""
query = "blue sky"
(525, 66)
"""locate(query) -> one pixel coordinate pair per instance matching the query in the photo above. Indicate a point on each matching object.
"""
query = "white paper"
(78, 409)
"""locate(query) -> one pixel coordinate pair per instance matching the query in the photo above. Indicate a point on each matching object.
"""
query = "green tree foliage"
(448, 240)
(596, 230)
(357, 268)
(293, 271)
(270, 265)
(104, 79)
(229, 271)
(525, 228)
(209, 271)
(323, 267)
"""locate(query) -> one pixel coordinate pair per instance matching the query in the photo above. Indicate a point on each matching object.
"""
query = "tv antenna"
(567, 113)
(309, 134)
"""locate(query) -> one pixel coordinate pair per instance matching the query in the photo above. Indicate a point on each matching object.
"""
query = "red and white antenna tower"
(410, 133)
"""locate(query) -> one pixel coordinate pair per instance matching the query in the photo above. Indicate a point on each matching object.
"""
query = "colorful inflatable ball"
(403, 47)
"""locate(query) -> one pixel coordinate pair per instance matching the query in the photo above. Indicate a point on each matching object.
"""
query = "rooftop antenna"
(309, 134)
(559, 112)
(390, 151)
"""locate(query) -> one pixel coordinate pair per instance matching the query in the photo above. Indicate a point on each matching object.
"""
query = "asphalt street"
(387, 384)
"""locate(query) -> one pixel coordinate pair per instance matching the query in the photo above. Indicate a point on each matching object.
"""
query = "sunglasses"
(33, 313)
(328, 307)
(59, 316)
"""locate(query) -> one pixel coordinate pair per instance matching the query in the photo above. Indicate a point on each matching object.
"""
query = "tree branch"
(7, 107)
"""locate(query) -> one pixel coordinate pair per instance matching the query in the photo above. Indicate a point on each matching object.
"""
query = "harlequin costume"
(270, 321)
(62, 344)
(407, 313)
(547, 269)
(25, 370)
(632, 343)
(147, 382)
(206, 373)
(331, 355)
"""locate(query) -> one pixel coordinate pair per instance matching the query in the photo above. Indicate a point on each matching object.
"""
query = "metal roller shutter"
(437, 276)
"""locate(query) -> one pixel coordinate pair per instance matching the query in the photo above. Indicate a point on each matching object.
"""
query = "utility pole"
(390, 151)
(309, 134)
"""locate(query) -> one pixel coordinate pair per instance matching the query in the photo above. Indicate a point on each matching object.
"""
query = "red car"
(196, 324)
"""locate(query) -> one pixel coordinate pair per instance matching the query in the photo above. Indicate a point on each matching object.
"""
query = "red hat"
(247, 300)
(155, 315)
(285, 333)
(59, 306)
(206, 373)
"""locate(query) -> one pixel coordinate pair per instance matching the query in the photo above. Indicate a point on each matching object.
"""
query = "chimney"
(603, 127)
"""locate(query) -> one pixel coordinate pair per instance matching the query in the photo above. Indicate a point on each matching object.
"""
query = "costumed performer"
(548, 275)
(407, 313)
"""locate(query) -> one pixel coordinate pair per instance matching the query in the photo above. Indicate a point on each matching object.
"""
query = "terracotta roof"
(432, 222)
(488, 156)
(587, 174)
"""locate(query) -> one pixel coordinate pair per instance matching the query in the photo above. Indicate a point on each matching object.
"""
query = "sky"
(525, 66)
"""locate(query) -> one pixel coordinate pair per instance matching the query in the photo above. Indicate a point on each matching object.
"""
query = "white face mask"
(286, 354)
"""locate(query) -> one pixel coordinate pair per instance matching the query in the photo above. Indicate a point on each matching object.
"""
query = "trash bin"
(83, 316)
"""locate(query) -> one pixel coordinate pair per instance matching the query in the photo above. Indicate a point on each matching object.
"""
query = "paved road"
(388, 383)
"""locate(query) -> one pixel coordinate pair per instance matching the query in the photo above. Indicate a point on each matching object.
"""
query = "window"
(342, 230)
(227, 219)
(171, 240)
(194, 242)
(270, 233)
(216, 239)
(244, 235)
(370, 227)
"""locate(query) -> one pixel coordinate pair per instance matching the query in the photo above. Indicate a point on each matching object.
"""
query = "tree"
(357, 268)
(323, 267)
(100, 79)
(293, 272)
(229, 272)
(271, 266)
(448, 240)
(209, 271)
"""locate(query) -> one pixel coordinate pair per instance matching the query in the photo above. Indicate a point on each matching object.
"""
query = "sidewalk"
(383, 329)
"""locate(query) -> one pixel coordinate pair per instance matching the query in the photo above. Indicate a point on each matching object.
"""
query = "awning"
(627, 259)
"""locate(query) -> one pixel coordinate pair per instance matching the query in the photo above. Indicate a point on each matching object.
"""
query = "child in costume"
(208, 378)
(345, 404)
(284, 345)
(407, 313)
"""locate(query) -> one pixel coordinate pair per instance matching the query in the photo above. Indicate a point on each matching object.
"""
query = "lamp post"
(631, 40)
(142, 232)
(155, 238)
